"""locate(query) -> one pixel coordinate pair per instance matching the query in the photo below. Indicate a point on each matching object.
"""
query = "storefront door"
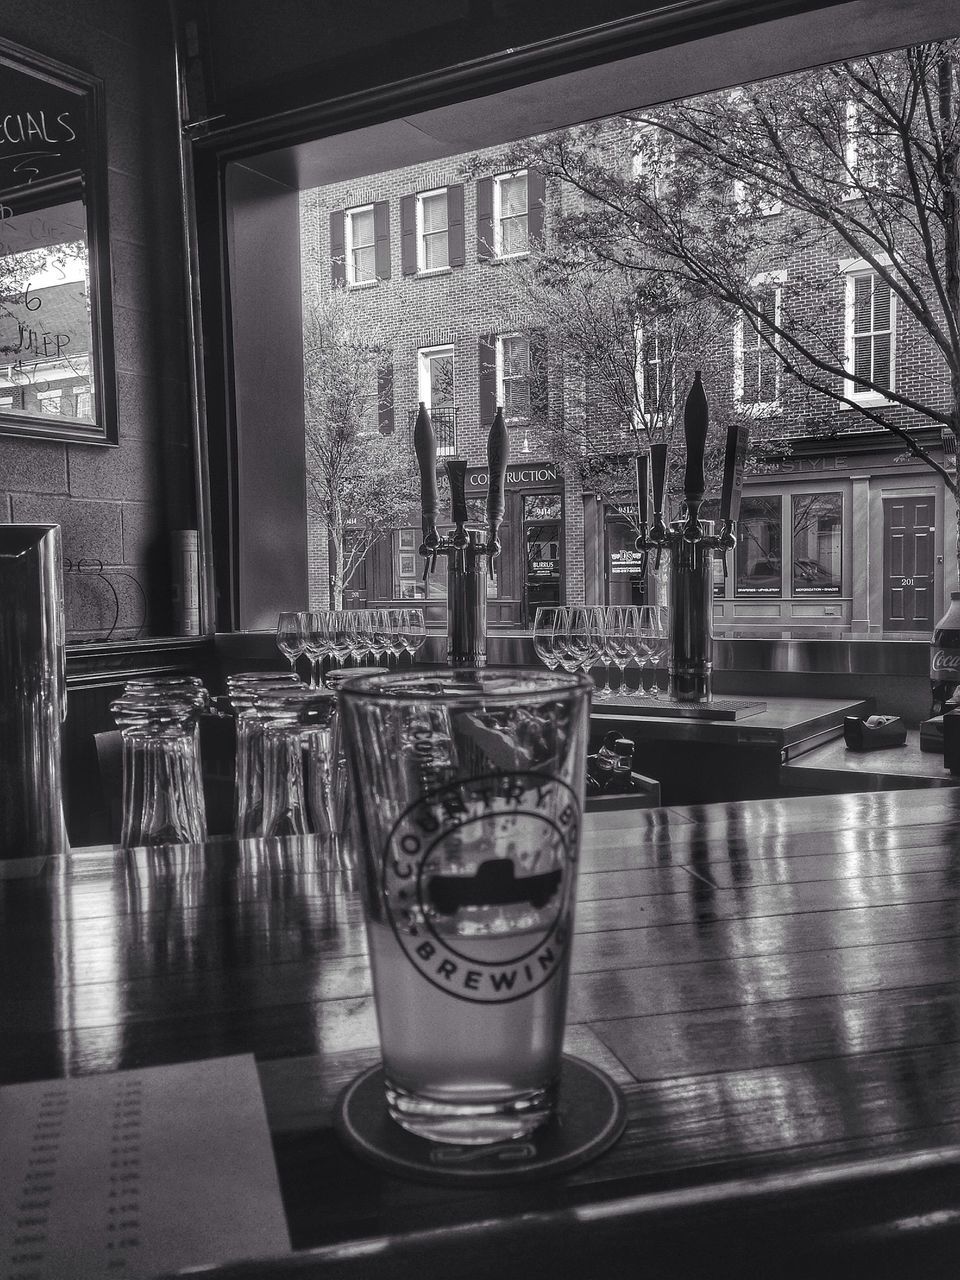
(908, 533)
(543, 558)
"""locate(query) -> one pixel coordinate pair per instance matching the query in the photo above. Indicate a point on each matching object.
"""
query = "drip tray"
(716, 709)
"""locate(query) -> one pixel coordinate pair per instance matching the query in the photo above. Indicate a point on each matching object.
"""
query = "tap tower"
(469, 552)
(691, 543)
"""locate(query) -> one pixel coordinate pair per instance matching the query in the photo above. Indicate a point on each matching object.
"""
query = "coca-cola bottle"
(945, 659)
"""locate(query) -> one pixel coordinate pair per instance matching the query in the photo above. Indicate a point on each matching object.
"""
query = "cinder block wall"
(118, 505)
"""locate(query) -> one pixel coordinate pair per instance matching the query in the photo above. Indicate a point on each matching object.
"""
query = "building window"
(757, 366)
(433, 246)
(513, 377)
(759, 554)
(817, 525)
(870, 333)
(654, 158)
(435, 375)
(654, 372)
(360, 244)
(510, 210)
(50, 402)
(866, 153)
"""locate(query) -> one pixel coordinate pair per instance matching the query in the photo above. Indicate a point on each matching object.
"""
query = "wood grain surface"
(773, 983)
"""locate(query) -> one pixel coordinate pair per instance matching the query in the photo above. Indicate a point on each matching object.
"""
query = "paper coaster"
(591, 1115)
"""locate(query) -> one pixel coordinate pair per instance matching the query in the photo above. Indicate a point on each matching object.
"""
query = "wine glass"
(379, 634)
(582, 639)
(316, 642)
(658, 642)
(413, 631)
(290, 637)
(620, 622)
(545, 623)
(598, 620)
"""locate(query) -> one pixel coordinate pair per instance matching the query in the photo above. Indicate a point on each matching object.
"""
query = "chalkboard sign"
(56, 357)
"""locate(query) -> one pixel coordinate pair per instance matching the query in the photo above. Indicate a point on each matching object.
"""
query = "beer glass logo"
(478, 884)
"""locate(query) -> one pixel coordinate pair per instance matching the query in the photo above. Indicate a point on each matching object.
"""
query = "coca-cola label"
(945, 662)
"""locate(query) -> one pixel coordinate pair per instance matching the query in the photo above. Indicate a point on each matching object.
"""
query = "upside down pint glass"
(467, 801)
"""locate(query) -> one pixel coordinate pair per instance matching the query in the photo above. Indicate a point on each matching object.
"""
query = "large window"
(817, 524)
(433, 246)
(757, 366)
(871, 330)
(361, 250)
(435, 375)
(759, 553)
(510, 210)
(513, 377)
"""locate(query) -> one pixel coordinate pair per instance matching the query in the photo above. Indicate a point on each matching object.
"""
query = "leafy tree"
(361, 481)
(855, 162)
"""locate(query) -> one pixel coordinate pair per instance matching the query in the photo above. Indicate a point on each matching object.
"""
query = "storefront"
(849, 538)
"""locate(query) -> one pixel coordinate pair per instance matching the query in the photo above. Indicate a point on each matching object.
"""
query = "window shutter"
(338, 261)
(536, 199)
(381, 238)
(484, 219)
(408, 235)
(538, 376)
(487, 346)
(455, 240)
(385, 399)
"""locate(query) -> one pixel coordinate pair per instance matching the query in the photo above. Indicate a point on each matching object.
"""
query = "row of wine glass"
(582, 637)
(358, 635)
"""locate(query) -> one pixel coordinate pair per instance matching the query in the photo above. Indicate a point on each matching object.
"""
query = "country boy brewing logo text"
(478, 884)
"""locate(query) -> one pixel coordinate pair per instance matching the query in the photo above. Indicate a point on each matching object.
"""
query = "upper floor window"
(870, 336)
(431, 230)
(654, 371)
(513, 377)
(510, 214)
(433, 245)
(360, 244)
(867, 154)
(748, 198)
(654, 157)
(510, 211)
(756, 363)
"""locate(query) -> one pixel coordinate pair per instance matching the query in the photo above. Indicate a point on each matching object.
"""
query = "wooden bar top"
(774, 984)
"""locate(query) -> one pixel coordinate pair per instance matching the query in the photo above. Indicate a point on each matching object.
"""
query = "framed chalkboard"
(57, 378)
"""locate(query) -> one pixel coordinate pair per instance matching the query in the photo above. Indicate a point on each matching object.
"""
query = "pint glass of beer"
(467, 801)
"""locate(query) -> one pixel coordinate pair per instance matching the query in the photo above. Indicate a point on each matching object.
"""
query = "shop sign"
(519, 477)
(626, 561)
(543, 568)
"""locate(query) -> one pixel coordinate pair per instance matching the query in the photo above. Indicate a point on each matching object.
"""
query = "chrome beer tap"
(691, 543)
(465, 549)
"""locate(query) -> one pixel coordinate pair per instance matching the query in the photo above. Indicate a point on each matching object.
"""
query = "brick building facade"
(842, 533)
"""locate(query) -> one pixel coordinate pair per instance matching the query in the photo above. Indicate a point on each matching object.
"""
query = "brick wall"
(118, 505)
(457, 306)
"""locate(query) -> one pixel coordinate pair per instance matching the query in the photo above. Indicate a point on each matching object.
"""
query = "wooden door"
(908, 560)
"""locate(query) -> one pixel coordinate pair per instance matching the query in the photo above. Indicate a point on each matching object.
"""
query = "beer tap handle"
(425, 448)
(498, 448)
(658, 469)
(734, 461)
(695, 419)
(643, 486)
(457, 475)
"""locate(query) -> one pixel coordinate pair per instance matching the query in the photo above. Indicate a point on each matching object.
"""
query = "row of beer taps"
(682, 536)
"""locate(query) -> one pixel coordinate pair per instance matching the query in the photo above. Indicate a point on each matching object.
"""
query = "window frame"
(501, 378)
(853, 269)
(768, 280)
(823, 592)
(349, 247)
(421, 232)
(498, 180)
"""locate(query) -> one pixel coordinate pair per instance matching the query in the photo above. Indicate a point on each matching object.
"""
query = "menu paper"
(137, 1172)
